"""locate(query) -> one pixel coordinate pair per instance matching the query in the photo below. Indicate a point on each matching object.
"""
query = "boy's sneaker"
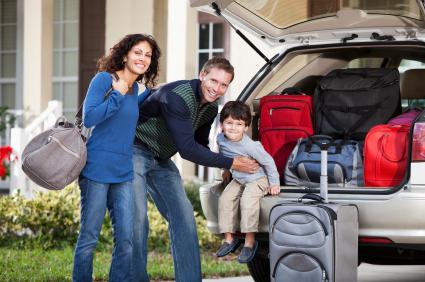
(226, 247)
(247, 253)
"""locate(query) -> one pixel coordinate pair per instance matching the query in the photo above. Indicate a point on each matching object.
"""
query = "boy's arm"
(267, 162)
(274, 190)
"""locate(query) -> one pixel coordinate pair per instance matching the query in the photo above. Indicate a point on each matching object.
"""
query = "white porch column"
(37, 56)
(126, 17)
(181, 56)
(181, 41)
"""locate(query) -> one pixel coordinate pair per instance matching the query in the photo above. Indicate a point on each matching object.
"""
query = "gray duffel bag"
(54, 158)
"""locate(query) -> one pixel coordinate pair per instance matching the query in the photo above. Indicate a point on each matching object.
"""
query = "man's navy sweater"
(192, 145)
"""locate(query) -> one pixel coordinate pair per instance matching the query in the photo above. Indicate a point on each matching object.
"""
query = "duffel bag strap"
(79, 115)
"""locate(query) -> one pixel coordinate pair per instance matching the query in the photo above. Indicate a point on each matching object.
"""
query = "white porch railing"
(5, 141)
(19, 137)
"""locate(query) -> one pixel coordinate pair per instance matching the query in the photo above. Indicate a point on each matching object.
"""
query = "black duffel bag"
(348, 102)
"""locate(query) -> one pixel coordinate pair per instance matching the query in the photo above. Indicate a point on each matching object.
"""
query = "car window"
(365, 63)
(284, 73)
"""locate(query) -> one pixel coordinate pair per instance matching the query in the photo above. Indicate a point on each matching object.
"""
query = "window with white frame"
(65, 54)
(8, 52)
(213, 38)
(213, 41)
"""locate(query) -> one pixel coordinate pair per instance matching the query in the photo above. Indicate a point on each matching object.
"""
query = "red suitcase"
(385, 155)
(284, 119)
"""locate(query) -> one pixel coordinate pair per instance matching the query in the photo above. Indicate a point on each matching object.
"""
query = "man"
(177, 118)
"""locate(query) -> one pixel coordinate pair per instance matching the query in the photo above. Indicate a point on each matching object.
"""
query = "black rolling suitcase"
(312, 239)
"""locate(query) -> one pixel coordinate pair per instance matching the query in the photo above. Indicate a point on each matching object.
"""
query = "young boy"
(245, 190)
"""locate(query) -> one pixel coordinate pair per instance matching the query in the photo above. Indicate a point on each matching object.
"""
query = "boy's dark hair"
(219, 63)
(236, 110)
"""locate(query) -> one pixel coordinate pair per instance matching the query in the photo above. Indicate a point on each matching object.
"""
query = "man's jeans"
(95, 199)
(163, 182)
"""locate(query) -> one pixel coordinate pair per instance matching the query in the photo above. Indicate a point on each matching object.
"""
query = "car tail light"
(418, 145)
(374, 240)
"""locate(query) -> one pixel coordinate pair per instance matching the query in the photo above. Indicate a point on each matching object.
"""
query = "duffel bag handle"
(323, 141)
(311, 196)
(62, 121)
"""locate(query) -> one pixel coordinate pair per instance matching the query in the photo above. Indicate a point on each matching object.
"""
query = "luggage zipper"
(279, 108)
(360, 89)
(302, 213)
(294, 101)
(332, 214)
(283, 128)
(324, 274)
(62, 146)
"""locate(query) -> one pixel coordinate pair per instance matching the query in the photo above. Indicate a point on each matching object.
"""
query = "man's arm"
(179, 123)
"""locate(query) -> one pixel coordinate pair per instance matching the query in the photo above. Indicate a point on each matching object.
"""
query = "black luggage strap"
(365, 113)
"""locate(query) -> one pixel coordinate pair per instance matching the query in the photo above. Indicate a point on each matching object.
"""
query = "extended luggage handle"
(323, 141)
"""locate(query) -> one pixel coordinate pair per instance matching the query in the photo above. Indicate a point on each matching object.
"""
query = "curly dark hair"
(114, 60)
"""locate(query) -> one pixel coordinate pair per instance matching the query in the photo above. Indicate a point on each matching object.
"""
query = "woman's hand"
(120, 85)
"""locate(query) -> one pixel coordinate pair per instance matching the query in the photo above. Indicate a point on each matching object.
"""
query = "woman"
(111, 105)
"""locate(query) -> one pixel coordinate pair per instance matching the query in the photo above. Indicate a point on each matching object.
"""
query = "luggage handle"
(292, 91)
(382, 144)
(62, 121)
(313, 197)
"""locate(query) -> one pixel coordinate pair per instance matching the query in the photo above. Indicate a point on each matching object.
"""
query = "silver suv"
(316, 37)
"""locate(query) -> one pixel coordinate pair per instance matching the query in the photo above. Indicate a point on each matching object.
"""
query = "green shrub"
(51, 220)
(192, 192)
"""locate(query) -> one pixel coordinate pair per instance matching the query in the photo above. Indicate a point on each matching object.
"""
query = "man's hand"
(225, 176)
(245, 164)
(274, 190)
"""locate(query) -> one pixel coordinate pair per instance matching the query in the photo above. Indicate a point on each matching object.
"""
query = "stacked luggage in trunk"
(360, 139)
(347, 104)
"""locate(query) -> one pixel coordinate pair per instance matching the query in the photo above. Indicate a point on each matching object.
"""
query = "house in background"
(49, 49)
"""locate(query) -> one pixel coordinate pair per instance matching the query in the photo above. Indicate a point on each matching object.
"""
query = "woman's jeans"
(162, 180)
(95, 199)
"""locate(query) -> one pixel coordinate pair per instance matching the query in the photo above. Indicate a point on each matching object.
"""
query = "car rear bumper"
(398, 217)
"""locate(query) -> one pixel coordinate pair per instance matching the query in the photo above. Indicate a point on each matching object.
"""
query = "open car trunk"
(308, 71)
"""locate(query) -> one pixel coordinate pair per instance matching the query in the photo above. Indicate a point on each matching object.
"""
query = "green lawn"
(56, 265)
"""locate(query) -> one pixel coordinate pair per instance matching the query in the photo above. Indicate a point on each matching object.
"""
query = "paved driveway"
(367, 273)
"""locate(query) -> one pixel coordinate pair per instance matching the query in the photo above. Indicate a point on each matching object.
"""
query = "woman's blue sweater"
(109, 148)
